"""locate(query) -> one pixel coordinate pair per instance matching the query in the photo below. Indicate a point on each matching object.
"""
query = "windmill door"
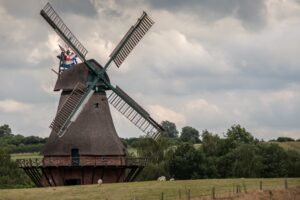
(75, 157)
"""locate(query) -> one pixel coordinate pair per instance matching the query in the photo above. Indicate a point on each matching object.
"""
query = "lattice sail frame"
(73, 105)
(131, 39)
(63, 31)
(134, 113)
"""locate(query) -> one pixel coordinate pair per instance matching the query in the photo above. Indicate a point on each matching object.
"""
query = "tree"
(5, 130)
(285, 139)
(210, 143)
(210, 167)
(247, 161)
(293, 163)
(151, 149)
(189, 134)
(236, 136)
(274, 160)
(187, 163)
(239, 134)
(170, 129)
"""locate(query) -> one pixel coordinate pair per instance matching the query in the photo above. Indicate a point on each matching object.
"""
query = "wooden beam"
(45, 174)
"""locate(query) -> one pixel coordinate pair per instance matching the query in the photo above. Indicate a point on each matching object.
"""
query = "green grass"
(197, 146)
(150, 190)
(15, 156)
(289, 145)
(132, 151)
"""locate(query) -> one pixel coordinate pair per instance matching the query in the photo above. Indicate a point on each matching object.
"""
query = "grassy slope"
(142, 190)
(289, 145)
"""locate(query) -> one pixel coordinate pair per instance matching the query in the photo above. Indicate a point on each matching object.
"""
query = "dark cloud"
(77, 7)
(22, 86)
(32, 7)
(252, 13)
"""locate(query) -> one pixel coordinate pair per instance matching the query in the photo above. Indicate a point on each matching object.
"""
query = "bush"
(10, 175)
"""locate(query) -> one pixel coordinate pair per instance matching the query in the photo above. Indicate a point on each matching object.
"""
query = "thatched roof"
(78, 73)
(93, 133)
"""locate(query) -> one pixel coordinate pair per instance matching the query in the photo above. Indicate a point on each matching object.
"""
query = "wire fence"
(215, 192)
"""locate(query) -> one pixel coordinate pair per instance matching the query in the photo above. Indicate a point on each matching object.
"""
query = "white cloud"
(285, 96)
(201, 105)
(161, 113)
(12, 106)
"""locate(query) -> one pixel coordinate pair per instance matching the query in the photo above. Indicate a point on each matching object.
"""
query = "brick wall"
(83, 161)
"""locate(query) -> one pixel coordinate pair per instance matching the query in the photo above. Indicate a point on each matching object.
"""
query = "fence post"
(238, 189)
(285, 184)
(188, 194)
(245, 187)
(179, 194)
(233, 189)
(213, 193)
(260, 185)
(162, 196)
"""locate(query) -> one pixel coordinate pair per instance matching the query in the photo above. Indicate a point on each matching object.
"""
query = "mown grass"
(150, 190)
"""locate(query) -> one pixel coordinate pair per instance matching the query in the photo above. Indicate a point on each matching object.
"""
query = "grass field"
(150, 190)
(15, 156)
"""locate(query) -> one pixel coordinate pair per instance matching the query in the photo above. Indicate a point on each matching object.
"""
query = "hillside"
(146, 190)
(289, 145)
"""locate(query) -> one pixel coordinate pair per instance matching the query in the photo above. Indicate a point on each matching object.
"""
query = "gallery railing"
(82, 161)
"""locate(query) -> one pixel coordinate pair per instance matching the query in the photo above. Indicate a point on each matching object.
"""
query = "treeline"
(185, 155)
(236, 154)
(18, 143)
(285, 139)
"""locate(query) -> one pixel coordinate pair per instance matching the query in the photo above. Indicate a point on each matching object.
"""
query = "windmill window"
(96, 105)
(75, 157)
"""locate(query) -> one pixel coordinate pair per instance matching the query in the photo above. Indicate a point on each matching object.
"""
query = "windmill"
(118, 98)
(83, 145)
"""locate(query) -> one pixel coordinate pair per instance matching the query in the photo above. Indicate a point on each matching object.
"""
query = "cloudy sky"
(208, 64)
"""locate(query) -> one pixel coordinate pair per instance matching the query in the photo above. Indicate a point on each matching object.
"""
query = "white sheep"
(100, 182)
(162, 178)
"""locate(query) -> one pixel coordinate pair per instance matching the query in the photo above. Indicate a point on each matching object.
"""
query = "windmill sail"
(131, 38)
(71, 109)
(63, 31)
(134, 112)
